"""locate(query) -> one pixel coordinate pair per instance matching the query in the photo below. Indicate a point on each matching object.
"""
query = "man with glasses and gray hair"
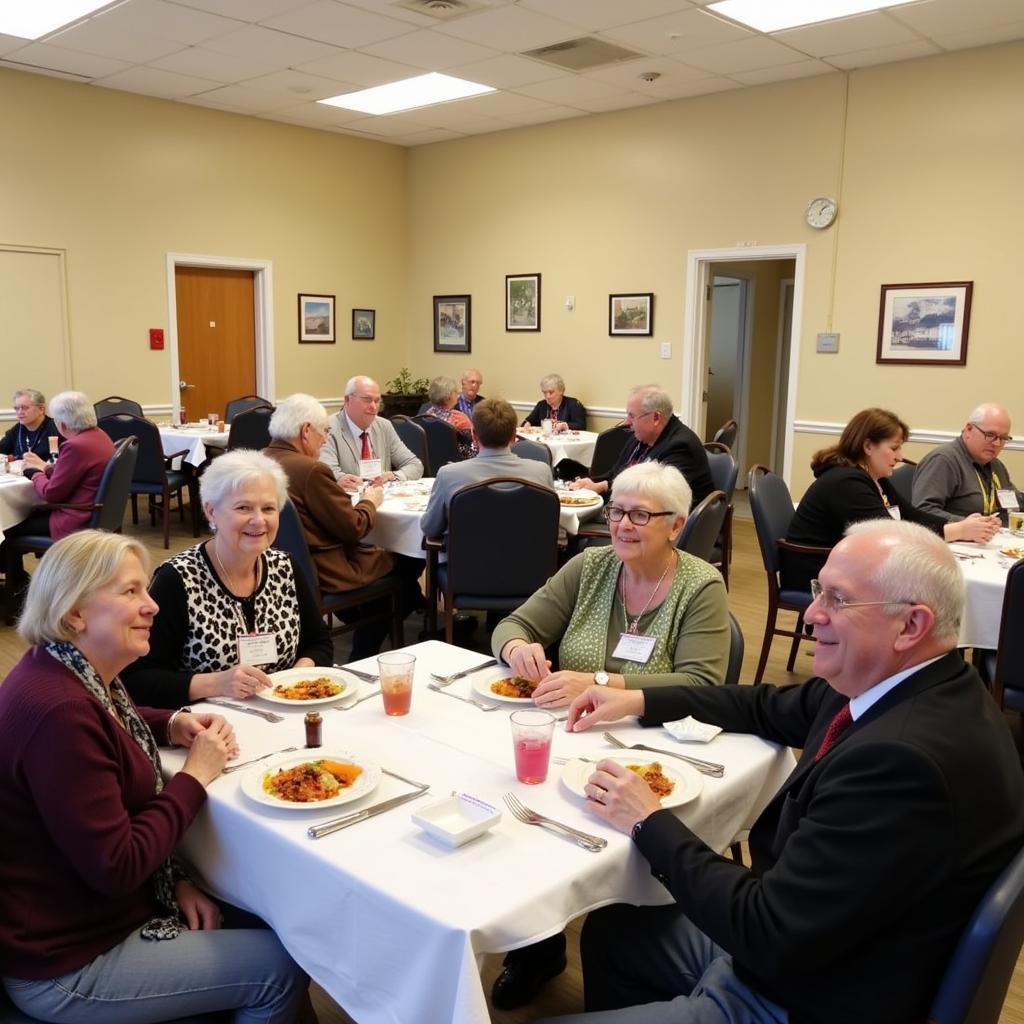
(906, 804)
(965, 475)
(33, 430)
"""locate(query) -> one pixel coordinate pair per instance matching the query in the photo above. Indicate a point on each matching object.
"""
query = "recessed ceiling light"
(408, 94)
(782, 14)
(30, 19)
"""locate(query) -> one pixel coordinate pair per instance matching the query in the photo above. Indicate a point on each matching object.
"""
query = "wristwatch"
(601, 678)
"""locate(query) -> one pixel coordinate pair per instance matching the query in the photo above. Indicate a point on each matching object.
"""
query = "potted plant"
(404, 394)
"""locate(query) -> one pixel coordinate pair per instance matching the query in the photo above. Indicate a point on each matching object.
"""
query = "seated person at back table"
(33, 430)
(234, 608)
(470, 395)
(358, 435)
(852, 483)
(965, 475)
(660, 437)
(564, 412)
(333, 523)
(494, 423)
(441, 404)
(906, 804)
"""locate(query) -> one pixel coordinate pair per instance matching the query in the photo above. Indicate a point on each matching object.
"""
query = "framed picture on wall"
(364, 324)
(522, 302)
(924, 323)
(452, 323)
(316, 319)
(631, 314)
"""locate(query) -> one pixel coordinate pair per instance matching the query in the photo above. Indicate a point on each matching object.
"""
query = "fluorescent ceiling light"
(780, 14)
(421, 91)
(30, 19)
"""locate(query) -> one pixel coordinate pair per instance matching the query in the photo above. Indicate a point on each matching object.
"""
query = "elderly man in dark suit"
(907, 802)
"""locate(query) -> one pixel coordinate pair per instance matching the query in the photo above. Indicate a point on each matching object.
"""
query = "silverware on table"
(326, 828)
(219, 702)
(711, 768)
(523, 813)
(439, 688)
(245, 764)
(367, 677)
(349, 707)
(447, 680)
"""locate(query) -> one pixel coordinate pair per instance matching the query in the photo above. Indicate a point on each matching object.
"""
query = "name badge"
(257, 649)
(633, 647)
(369, 469)
(894, 511)
(1007, 498)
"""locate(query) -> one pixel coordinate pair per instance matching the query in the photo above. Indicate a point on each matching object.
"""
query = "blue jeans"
(142, 982)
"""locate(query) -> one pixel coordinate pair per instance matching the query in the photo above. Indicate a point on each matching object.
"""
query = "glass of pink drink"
(396, 673)
(531, 741)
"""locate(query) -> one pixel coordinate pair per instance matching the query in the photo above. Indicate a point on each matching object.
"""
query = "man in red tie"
(906, 803)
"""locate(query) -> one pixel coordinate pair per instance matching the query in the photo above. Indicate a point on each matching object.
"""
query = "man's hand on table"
(603, 704)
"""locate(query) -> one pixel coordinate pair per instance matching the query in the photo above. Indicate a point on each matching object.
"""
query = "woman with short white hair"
(443, 394)
(564, 412)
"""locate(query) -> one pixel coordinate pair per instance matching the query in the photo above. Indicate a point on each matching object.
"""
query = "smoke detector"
(649, 76)
(442, 10)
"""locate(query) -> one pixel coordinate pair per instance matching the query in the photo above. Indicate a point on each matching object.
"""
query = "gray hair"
(353, 383)
(72, 571)
(657, 482)
(74, 410)
(230, 472)
(653, 399)
(292, 412)
(920, 569)
(35, 397)
(986, 409)
(552, 380)
(441, 390)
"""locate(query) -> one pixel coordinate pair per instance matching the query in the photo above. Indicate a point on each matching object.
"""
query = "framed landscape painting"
(522, 302)
(316, 319)
(924, 323)
(452, 323)
(364, 324)
(631, 314)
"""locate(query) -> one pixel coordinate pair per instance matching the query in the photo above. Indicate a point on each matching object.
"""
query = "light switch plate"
(666, 350)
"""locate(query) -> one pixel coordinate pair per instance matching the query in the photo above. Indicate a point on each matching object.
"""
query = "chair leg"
(795, 645)
(766, 645)
(396, 620)
(135, 510)
(193, 500)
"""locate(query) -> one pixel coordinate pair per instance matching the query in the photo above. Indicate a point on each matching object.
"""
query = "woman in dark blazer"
(564, 412)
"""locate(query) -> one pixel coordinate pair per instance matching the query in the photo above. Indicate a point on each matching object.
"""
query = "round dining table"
(17, 498)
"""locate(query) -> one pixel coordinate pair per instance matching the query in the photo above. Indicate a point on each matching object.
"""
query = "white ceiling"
(275, 58)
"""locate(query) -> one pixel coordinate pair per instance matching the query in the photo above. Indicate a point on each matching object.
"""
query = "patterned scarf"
(118, 703)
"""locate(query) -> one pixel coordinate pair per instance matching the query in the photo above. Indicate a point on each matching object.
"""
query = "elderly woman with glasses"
(564, 412)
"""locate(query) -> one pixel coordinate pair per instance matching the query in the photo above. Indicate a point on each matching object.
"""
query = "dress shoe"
(521, 981)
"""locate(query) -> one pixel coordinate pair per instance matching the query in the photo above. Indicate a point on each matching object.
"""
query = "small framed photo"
(631, 314)
(364, 324)
(522, 302)
(316, 319)
(452, 323)
(924, 323)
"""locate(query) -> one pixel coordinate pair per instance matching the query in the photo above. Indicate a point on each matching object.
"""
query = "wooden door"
(216, 337)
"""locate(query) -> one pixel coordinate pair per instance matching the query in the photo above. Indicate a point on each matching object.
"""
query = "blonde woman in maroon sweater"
(98, 920)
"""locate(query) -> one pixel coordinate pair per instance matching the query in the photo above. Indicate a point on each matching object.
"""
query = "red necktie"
(835, 729)
(366, 453)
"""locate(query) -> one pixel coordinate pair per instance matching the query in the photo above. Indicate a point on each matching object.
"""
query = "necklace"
(632, 627)
(29, 437)
(227, 575)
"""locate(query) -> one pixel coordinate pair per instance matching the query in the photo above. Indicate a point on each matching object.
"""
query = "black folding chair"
(414, 437)
(244, 404)
(251, 429)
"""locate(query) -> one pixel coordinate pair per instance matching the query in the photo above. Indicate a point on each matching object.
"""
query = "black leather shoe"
(520, 982)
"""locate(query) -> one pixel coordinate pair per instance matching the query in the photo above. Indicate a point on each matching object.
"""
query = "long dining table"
(984, 568)
(392, 924)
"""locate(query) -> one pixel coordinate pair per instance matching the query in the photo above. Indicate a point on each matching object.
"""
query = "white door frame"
(698, 262)
(263, 298)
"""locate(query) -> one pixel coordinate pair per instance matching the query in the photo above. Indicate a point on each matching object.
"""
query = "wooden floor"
(747, 601)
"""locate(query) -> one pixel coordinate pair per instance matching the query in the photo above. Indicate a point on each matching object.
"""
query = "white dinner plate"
(584, 492)
(482, 685)
(252, 781)
(688, 783)
(291, 676)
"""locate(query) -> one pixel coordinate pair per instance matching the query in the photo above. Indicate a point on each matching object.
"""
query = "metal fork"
(523, 813)
(270, 716)
(712, 768)
(466, 700)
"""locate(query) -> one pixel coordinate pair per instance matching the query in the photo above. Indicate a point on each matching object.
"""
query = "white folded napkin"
(689, 730)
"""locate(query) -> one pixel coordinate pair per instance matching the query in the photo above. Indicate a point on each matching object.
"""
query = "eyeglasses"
(630, 418)
(833, 602)
(367, 399)
(637, 516)
(991, 436)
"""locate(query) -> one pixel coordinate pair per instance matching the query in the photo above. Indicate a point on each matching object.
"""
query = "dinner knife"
(336, 824)
(270, 716)
(711, 768)
(470, 671)
(368, 677)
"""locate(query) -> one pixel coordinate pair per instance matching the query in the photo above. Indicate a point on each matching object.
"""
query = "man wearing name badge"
(965, 475)
(906, 804)
(362, 445)
(469, 396)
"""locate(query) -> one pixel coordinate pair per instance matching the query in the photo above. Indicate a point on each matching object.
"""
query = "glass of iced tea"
(531, 741)
(396, 671)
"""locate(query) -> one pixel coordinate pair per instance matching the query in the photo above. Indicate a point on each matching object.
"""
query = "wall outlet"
(666, 350)
(570, 302)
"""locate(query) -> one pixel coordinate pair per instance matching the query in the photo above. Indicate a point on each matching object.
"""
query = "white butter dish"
(457, 819)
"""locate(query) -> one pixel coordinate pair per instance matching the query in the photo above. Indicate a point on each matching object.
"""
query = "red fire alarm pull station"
(156, 338)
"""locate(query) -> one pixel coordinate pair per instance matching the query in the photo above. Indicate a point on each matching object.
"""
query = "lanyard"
(988, 497)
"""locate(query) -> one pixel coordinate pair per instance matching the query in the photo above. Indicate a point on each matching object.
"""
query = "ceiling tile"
(945, 16)
(56, 58)
(846, 35)
(745, 55)
(594, 15)
(628, 73)
(317, 114)
(802, 69)
(296, 84)
(508, 71)
(676, 33)
(444, 115)
(281, 48)
(243, 10)
(153, 82)
(392, 124)
(8, 44)
(621, 101)
(108, 40)
(981, 36)
(431, 51)
(568, 90)
(501, 104)
(238, 97)
(360, 68)
(548, 113)
(696, 87)
(882, 55)
(425, 138)
(339, 24)
(512, 28)
(164, 20)
(218, 67)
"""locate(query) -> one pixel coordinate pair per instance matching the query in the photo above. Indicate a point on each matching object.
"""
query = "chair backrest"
(527, 449)
(502, 537)
(726, 433)
(608, 447)
(244, 404)
(150, 467)
(414, 437)
(1009, 670)
(703, 525)
(115, 486)
(292, 538)
(442, 441)
(903, 480)
(977, 977)
(251, 429)
(113, 404)
(732, 669)
(724, 468)
(771, 505)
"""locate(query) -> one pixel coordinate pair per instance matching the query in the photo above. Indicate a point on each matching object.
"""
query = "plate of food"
(514, 689)
(309, 686)
(305, 779)
(582, 498)
(675, 784)
(1012, 552)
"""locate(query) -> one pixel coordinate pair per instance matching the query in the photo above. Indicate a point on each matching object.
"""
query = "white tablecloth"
(571, 444)
(194, 439)
(391, 923)
(17, 498)
(985, 577)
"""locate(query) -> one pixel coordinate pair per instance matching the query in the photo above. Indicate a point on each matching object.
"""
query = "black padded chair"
(1005, 666)
(772, 508)
(483, 575)
(703, 527)
(978, 974)
(251, 429)
(386, 592)
(107, 513)
(608, 447)
(414, 437)
(724, 471)
(903, 480)
(114, 404)
(442, 441)
(154, 474)
(527, 449)
(726, 434)
(244, 404)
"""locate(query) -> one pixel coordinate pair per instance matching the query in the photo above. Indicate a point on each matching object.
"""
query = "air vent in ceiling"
(442, 10)
(582, 54)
